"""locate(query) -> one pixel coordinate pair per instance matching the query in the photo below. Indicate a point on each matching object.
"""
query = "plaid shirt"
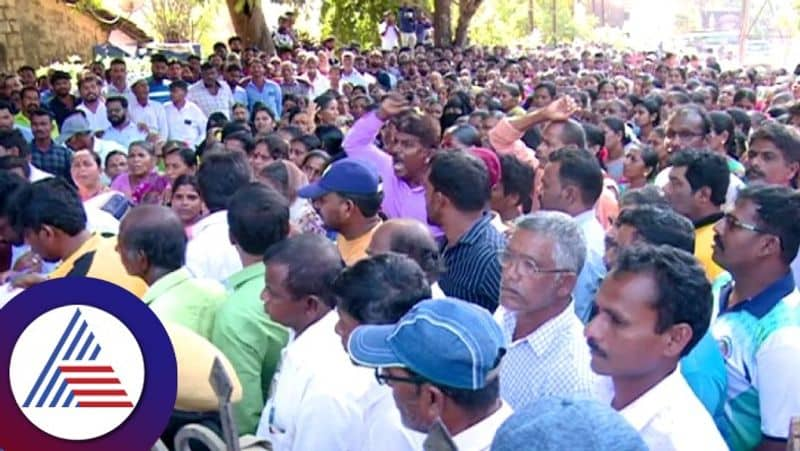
(208, 103)
(56, 160)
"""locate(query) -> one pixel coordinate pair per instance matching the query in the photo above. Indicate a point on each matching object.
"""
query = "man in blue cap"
(442, 362)
(348, 198)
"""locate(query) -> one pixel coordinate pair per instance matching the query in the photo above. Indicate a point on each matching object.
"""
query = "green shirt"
(251, 341)
(21, 120)
(181, 299)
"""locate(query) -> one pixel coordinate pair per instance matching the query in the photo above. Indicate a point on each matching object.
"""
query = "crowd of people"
(570, 248)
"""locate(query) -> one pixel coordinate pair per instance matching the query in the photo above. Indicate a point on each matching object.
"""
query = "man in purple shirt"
(403, 163)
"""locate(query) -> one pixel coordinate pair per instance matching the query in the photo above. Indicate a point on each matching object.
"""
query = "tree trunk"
(251, 26)
(442, 32)
(466, 11)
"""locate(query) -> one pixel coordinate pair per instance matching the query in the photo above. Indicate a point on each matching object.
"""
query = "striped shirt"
(159, 90)
(473, 269)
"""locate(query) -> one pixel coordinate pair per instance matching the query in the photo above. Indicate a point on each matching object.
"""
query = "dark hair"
(245, 137)
(293, 131)
(594, 135)
(723, 122)
(421, 126)
(259, 106)
(277, 147)
(331, 138)
(178, 84)
(6, 106)
(41, 112)
(207, 66)
(58, 75)
(784, 137)
(158, 58)
(11, 162)
(653, 107)
(316, 154)
(469, 400)
(581, 169)
(778, 209)
(684, 293)
(650, 159)
(646, 195)
(549, 86)
(512, 89)
(421, 248)
(258, 217)
(741, 118)
(162, 238)
(117, 61)
(122, 101)
(617, 125)
(13, 139)
(659, 226)
(10, 183)
(704, 168)
(52, 202)
(112, 154)
(572, 134)
(186, 154)
(517, 178)
(29, 89)
(313, 263)
(220, 175)
(186, 179)
(369, 205)
(462, 178)
(381, 289)
(277, 173)
(744, 94)
(699, 111)
(310, 142)
(467, 135)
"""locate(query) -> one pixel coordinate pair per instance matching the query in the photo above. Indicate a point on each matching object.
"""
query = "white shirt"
(210, 103)
(98, 120)
(593, 267)
(437, 292)
(187, 125)
(734, 185)
(152, 115)
(479, 437)
(104, 147)
(320, 85)
(126, 135)
(383, 427)
(670, 417)
(553, 360)
(210, 254)
(37, 174)
(315, 392)
(355, 78)
(391, 38)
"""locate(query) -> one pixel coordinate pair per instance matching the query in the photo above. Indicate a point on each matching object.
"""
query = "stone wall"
(39, 32)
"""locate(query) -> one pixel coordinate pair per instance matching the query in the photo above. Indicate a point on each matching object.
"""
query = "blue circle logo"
(90, 367)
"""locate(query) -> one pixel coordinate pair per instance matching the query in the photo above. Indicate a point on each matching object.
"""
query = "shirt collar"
(476, 230)
(650, 403)
(760, 304)
(586, 216)
(216, 218)
(540, 339)
(252, 272)
(480, 435)
(165, 284)
(708, 220)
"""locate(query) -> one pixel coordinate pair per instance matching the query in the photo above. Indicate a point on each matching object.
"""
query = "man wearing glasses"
(442, 362)
(759, 325)
(547, 355)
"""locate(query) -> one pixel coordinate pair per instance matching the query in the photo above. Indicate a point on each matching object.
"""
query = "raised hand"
(560, 109)
(392, 106)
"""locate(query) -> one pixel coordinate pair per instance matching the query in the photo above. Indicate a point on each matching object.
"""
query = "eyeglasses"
(732, 222)
(384, 378)
(527, 264)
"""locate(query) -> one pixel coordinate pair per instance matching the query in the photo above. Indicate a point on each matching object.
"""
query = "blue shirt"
(159, 90)
(704, 370)
(473, 267)
(269, 94)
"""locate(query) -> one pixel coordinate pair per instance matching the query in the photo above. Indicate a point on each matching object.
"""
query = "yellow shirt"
(703, 248)
(356, 249)
(98, 258)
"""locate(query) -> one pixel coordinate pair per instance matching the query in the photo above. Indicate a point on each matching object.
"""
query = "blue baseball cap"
(446, 341)
(344, 176)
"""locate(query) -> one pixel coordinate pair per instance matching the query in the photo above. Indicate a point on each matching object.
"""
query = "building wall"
(39, 32)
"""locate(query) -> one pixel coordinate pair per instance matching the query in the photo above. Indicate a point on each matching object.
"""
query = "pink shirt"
(400, 200)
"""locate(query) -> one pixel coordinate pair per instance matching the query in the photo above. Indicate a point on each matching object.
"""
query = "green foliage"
(355, 20)
(506, 22)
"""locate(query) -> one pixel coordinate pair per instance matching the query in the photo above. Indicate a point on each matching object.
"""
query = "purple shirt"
(400, 200)
(148, 191)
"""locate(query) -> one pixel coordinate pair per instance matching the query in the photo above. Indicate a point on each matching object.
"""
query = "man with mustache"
(547, 355)
(758, 327)
(703, 367)
(652, 309)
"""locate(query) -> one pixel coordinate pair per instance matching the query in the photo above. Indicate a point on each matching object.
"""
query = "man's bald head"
(152, 236)
(411, 238)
